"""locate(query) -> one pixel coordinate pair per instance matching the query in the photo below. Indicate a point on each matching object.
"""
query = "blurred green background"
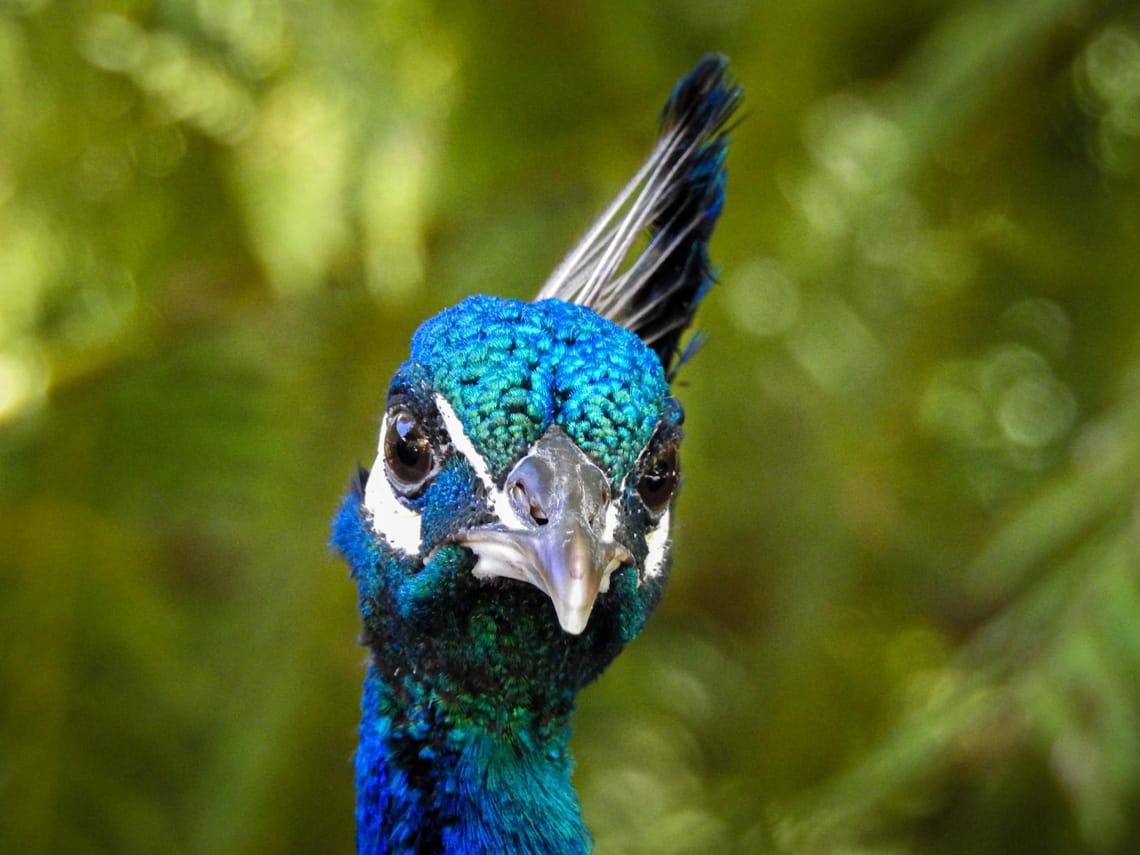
(905, 608)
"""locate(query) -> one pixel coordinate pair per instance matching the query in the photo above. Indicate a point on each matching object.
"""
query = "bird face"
(526, 467)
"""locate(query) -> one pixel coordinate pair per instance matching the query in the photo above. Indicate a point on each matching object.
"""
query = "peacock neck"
(437, 773)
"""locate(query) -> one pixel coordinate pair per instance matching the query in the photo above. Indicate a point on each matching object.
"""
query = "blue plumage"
(513, 533)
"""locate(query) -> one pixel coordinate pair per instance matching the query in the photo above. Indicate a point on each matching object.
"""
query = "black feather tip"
(675, 199)
(696, 116)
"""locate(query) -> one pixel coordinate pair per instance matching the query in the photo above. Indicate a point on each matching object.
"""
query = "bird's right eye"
(408, 454)
(658, 481)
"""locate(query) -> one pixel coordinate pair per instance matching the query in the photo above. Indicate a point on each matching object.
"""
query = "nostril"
(528, 504)
(537, 513)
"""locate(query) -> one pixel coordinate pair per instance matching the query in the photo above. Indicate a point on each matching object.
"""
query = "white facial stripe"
(460, 441)
(501, 505)
(658, 542)
(391, 519)
(613, 518)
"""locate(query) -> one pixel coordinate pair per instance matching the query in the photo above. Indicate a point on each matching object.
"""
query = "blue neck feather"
(467, 706)
(460, 790)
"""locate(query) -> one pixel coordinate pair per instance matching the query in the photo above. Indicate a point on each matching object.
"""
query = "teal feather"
(510, 369)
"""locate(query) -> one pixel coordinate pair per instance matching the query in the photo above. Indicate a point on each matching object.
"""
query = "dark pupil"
(658, 481)
(408, 452)
(411, 445)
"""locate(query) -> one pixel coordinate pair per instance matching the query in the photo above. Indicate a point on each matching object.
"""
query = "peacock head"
(538, 441)
(517, 513)
(514, 528)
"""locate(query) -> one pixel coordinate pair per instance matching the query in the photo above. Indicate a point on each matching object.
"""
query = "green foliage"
(905, 611)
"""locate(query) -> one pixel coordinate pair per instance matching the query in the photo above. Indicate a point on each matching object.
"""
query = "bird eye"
(658, 481)
(407, 453)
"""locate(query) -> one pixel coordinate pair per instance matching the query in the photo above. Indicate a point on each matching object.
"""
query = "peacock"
(513, 534)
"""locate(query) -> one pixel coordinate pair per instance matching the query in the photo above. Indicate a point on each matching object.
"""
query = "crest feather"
(674, 199)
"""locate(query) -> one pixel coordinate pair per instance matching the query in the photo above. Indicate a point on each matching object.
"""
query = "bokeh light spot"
(765, 299)
(1037, 411)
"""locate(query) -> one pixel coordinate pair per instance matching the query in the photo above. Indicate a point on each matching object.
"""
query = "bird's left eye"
(658, 481)
(408, 453)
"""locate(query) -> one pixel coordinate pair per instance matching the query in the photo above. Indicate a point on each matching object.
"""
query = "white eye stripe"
(391, 519)
(501, 505)
(613, 518)
(460, 442)
(657, 540)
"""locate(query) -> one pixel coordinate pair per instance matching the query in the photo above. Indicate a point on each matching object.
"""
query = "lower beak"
(556, 541)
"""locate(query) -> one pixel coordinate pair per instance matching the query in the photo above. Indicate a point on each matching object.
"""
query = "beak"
(557, 502)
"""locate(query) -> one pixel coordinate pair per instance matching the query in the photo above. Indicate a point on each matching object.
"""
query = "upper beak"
(557, 541)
